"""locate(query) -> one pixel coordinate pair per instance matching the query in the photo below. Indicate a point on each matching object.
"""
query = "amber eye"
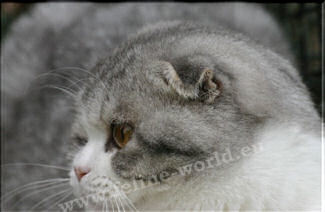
(122, 134)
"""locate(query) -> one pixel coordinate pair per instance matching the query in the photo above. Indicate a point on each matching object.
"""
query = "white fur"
(283, 173)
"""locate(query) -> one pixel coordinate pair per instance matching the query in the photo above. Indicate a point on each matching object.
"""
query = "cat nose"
(81, 172)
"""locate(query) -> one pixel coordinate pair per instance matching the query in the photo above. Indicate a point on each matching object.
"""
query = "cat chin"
(101, 192)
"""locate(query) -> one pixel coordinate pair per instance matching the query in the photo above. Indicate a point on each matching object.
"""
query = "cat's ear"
(171, 80)
(206, 88)
(209, 88)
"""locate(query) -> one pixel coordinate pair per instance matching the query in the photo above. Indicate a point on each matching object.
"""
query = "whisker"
(120, 194)
(95, 77)
(118, 207)
(62, 69)
(64, 90)
(130, 203)
(112, 204)
(108, 206)
(60, 200)
(78, 69)
(104, 206)
(39, 191)
(30, 186)
(49, 197)
(125, 197)
(67, 79)
(37, 164)
(119, 199)
(71, 80)
(55, 72)
(79, 80)
(72, 68)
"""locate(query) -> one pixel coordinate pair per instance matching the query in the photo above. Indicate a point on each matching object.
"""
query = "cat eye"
(122, 134)
(81, 141)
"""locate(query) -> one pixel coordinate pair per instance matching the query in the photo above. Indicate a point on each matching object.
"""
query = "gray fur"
(172, 127)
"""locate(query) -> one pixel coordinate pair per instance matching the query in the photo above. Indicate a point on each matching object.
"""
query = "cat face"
(140, 128)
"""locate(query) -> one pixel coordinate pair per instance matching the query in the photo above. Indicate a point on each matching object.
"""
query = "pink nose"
(81, 172)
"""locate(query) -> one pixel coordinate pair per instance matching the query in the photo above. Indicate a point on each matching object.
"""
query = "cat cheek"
(123, 163)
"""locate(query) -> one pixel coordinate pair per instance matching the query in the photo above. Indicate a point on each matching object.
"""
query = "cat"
(161, 106)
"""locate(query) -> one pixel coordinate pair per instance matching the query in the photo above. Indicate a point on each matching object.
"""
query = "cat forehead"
(115, 101)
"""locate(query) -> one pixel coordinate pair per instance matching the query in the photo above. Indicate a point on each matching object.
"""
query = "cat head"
(165, 100)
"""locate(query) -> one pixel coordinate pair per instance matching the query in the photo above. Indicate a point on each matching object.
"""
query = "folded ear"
(206, 89)
(166, 77)
(209, 86)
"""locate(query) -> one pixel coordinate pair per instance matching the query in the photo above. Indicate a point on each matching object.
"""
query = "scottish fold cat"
(159, 106)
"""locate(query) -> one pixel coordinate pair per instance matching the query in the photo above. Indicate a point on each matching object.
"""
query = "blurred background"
(301, 23)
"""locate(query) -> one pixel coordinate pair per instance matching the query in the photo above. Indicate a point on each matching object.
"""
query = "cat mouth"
(100, 186)
(103, 183)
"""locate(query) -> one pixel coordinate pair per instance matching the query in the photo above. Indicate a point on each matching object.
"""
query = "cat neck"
(272, 167)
